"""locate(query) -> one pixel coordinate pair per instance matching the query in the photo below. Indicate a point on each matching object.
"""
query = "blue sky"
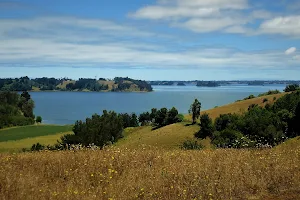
(151, 39)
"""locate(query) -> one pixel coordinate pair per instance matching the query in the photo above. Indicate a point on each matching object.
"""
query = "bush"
(37, 147)
(180, 117)
(292, 87)
(270, 92)
(38, 119)
(98, 130)
(265, 100)
(250, 97)
(227, 138)
(207, 127)
(191, 145)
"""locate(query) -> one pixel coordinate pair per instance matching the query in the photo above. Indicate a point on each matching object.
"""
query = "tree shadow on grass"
(190, 124)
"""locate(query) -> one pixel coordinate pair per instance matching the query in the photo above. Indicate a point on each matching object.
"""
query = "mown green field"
(17, 138)
(19, 133)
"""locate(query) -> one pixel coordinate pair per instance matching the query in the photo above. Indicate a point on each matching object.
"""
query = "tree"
(172, 116)
(153, 114)
(161, 117)
(145, 118)
(38, 119)
(195, 109)
(98, 130)
(293, 125)
(134, 121)
(26, 95)
(291, 88)
(207, 127)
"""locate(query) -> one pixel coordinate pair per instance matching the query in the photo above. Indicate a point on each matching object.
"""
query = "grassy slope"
(64, 84)
(19, 133)
(170, 137)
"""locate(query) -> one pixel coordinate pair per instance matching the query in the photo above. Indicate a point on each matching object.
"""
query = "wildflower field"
(152, 173)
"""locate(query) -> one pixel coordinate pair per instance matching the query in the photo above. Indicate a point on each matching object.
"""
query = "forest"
(65, 84)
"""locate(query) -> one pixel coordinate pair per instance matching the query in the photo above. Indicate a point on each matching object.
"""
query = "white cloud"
(208, 25)
(289, 25)
(290, 50)
(220, 4)
(261, 14)
(162, 12)
(230, 16)
(201, 15)
(104, 44)
(297, 57)
(238, 29)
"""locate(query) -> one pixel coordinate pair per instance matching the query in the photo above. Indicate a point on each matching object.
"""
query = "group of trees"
(159, 118)
(125, 84)
(257, 127)
(15, 109)
(292, 87)
(129, 120)
(99, 130)
(87, 83)
(43, 84)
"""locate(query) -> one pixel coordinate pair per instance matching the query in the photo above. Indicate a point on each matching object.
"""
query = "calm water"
(67, 107)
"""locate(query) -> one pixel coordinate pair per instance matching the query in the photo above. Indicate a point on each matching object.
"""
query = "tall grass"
(151, 173)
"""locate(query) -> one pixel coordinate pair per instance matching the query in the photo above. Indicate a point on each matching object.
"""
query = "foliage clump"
(257, 127)
(15, 109)
(99, 130)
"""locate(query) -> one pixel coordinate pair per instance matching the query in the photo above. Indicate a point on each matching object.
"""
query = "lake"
(67, 107)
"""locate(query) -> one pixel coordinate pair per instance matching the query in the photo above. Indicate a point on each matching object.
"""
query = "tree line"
(16, 109)
(259, 126)
(49, 84)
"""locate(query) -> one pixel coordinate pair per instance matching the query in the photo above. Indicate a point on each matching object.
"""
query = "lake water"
(67, 107)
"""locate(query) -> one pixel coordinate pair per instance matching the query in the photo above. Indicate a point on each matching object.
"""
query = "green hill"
(118, 84)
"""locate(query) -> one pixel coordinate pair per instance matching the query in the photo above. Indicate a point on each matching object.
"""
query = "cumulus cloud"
(78, 42)
(290, 50)
(202, 16)
(231, 16)
(289, 25)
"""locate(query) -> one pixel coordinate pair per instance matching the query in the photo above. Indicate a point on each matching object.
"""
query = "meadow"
(16, 138)
(153, 173)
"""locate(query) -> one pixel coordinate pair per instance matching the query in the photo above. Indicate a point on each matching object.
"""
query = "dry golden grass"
(152, 174)
(168, 137)
(110, 84)
(64, 84)
(238, 107)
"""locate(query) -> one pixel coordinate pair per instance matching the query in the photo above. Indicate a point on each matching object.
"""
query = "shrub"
(37, 147)
(292, 87)
(38, 119)
(250, 97)
(99, 130)
(207, 127)
(265, 100)
(226, 138)
(191, 145)
(180, 117)
(270, 92)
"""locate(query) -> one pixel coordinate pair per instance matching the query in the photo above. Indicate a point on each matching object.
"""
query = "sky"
(151, 39)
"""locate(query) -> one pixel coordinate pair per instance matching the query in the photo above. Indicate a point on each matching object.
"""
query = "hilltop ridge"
(117, 84)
